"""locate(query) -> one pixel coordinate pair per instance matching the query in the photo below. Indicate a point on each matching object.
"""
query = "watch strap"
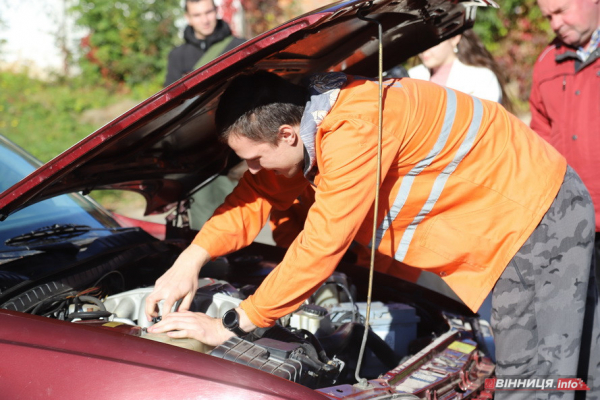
(238, 331)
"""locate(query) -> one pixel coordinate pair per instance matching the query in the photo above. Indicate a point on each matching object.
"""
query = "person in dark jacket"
(206, 38)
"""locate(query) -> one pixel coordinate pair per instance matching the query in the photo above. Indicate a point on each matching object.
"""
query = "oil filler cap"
(314, 309)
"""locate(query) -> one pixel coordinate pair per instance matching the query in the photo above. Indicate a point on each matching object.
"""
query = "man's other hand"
(179, 282)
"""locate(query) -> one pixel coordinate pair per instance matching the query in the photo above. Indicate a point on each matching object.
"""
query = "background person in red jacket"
(565, 95)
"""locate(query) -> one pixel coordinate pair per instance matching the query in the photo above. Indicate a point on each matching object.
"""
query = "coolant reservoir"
(328, 294)
(187, 343)
(313, 318)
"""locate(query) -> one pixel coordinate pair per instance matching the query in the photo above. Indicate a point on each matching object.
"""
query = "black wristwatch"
(231, 321)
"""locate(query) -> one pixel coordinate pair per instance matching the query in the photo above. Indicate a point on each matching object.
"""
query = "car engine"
(317, 346)
(297, 348)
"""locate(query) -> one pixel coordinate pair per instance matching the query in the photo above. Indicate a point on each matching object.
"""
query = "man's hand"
(199, 326)
(179, 282)
(187, 324)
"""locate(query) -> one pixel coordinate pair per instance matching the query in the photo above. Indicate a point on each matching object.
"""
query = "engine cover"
(286, 360)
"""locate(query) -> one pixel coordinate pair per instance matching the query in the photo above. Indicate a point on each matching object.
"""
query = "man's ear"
(288, 134)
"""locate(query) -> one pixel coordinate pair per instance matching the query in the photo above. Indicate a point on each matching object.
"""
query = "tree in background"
(515, 34)
(231, 11)
(264, 15)
(129, 40)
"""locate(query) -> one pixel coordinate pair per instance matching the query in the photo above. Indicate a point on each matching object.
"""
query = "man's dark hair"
(256, 105)
(185, 7)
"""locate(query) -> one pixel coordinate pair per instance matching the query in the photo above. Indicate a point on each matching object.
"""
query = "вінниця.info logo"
(535, 384)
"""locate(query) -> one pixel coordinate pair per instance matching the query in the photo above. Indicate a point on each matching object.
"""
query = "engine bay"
(418, 342)
(318, 345)
(311, 346)
(315, 346)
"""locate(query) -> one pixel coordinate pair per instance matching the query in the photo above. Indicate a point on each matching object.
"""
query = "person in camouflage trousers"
(467, 191)
(544, 313)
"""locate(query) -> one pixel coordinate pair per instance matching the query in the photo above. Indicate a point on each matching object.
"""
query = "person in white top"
(463, 63)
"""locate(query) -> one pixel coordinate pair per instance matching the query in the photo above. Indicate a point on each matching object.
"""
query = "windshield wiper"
(56, 233)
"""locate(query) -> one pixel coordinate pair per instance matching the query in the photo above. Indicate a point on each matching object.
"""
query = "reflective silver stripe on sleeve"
(440, 181)
(408, 179)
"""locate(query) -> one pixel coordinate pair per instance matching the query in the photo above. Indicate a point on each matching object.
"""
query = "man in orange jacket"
(468, 192)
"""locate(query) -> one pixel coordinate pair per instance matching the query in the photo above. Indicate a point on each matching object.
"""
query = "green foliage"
(45, 117)
(515, 34)
(129, 40)
(264, 15)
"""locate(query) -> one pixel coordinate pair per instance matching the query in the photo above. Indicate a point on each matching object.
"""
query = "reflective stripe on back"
(440, 181)
(408, 179)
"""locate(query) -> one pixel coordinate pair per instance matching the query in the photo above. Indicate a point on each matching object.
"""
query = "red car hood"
(166, 147)
(76, 361)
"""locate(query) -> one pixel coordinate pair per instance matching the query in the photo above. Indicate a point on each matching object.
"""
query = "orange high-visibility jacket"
(464, 184)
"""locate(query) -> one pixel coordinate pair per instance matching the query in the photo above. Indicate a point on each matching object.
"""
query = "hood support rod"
(362, 382)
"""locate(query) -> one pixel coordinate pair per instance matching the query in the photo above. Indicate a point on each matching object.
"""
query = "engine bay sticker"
(461, 347)
(418, 381)
(411, 385)
(425, 376)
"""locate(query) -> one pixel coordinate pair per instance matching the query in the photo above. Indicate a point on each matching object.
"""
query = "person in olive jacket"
(206, 38)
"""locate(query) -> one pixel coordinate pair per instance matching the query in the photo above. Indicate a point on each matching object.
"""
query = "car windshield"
(60, 210)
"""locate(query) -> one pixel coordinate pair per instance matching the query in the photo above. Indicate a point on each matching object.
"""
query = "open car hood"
(166, 147)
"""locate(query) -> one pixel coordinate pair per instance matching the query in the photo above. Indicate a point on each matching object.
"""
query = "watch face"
(230, 318)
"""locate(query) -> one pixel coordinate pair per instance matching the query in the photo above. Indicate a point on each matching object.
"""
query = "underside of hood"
(166, 147)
